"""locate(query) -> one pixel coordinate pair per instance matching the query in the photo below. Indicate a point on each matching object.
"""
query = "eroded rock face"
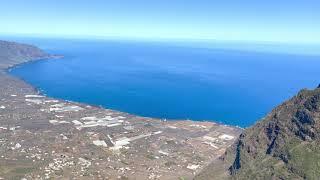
(283, 145)
(282, 136)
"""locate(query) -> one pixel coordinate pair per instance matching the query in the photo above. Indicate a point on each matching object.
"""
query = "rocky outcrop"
(283, 145)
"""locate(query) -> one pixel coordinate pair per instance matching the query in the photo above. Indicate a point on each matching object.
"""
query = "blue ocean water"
(165, 80)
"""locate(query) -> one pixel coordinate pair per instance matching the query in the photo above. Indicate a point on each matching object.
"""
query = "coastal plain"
(46, 138)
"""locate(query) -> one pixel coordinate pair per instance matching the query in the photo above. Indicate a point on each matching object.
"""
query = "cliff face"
(14, 53)
(283, 145)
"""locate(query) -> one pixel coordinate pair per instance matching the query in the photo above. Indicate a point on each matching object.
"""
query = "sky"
(240, 20)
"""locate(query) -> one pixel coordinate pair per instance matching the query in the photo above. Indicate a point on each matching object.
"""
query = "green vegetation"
(283, 145)
(16, 172)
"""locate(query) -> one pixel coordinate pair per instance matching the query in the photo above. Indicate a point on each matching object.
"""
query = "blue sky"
(249, 20)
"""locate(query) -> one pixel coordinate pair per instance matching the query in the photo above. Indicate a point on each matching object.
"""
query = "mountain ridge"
(283, 145)
(12, 53)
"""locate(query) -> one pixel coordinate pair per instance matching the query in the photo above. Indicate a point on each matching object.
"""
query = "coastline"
(31, 119)
(54, 57)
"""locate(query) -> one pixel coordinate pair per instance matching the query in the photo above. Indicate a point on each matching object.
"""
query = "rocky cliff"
(12, 53)
(283, 145)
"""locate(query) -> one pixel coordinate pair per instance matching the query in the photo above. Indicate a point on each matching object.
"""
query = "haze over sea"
(199, 81)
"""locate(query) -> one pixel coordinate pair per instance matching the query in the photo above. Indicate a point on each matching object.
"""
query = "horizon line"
(155, 39)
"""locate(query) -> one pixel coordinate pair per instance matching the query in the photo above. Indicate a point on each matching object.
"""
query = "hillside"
(12, 53)
(283, 145)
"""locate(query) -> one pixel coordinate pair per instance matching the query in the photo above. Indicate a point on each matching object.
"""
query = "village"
(55, 138)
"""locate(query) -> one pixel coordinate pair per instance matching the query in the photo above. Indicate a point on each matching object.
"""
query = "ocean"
(171, 80)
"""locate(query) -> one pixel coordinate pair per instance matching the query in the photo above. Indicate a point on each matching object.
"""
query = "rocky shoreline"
(43, 138)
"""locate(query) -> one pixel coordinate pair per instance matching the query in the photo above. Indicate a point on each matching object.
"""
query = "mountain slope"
(283, 145)
(15, 53)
